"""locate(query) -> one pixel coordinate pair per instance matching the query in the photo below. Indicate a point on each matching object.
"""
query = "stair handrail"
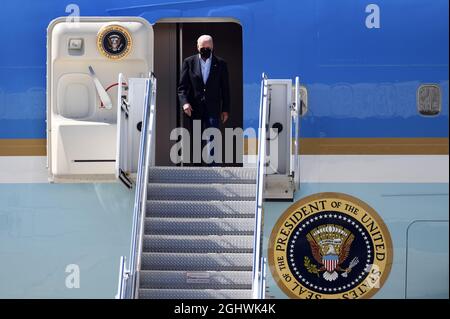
(262, 290)
(130, 278)
(123, 277)
(258, 266)
(296, 114)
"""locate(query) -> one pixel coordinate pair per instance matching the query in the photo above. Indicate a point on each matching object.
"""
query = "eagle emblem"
(115, 42)
(330, 246)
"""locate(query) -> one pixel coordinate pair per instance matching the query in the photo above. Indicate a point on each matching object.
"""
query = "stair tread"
(203, 174)
(197, 237)
(200, 209)
(201, 192)
(199, 226)
(157, 279)
(198, 261)
(195, 293)
(204, 168)
(198, 244)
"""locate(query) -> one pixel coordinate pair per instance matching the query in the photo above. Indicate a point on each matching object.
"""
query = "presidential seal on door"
(114, 42)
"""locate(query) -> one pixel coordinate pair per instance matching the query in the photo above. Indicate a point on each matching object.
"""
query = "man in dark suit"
(204, 90)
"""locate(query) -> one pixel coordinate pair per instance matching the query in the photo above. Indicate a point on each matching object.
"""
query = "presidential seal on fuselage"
(330, 245)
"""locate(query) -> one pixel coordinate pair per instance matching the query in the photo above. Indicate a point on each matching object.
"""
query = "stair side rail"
(296, 114)
(128, 278)
(258, 266)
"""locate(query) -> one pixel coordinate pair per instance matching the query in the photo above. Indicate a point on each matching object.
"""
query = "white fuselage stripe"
(313, 168)
(372, 168)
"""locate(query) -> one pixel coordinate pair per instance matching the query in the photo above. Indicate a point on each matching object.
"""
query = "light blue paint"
(45, 227)
(427, 263)
(399, 205)
(362, 83)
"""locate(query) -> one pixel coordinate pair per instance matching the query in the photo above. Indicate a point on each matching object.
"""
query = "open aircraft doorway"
(175, 40)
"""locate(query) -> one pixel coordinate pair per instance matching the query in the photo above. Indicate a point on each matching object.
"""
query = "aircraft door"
(282, 144)
(84, 60)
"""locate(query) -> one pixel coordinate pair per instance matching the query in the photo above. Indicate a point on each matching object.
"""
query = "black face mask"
(205, 53)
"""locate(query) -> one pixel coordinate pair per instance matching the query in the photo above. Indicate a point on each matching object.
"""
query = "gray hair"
(204, 38)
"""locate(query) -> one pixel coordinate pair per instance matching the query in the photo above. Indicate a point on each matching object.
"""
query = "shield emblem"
(330, 262)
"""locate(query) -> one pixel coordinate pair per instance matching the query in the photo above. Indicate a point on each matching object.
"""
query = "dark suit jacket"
(208, 99)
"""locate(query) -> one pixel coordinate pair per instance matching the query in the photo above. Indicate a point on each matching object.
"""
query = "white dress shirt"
(206, 68)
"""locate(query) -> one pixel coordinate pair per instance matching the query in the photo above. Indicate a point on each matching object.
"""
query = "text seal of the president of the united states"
(330, 245)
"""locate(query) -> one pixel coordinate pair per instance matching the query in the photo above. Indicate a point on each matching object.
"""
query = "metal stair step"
(195, 280)
(199, 226)
(239, 175)
(194, 294)
(198, 244)
(197, 262)
(201, 192)
(198, 209)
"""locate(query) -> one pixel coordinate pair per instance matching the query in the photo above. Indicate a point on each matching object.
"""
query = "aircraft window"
(429, 99)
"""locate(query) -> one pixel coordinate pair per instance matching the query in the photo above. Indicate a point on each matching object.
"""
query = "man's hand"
(188, 109)
(224, 117)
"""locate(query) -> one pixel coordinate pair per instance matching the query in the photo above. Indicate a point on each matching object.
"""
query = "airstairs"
(196, 230)
(198, 233)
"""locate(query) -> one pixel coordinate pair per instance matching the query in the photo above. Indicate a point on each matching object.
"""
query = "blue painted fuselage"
(362, 82)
